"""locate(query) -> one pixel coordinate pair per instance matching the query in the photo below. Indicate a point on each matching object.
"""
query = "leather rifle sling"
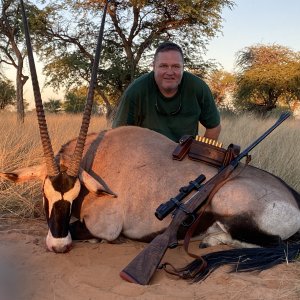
(193, 227)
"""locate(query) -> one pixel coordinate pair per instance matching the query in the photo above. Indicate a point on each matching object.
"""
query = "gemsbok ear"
(26, 174)
(93, 185)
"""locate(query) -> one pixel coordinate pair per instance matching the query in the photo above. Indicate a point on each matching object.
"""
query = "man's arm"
(128, 112)
(210, 115)
(213, 133)
(121, 116)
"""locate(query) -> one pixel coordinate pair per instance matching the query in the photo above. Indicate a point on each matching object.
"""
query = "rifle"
(143, 266)
(166, 208)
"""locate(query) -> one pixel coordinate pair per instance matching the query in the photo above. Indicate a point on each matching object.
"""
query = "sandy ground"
(91, 271)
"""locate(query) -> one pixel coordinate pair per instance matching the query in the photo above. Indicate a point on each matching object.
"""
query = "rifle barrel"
(143, 266)
(282, 118)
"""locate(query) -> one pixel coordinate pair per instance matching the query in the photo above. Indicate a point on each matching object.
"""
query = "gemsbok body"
(127, 172)
(114, 181)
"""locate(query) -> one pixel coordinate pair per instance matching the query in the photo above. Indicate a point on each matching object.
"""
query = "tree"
(267, 75)
(221, 83)
(53, 106)
(133, 29)
(75, 101)
(12, 45)
(8, 93)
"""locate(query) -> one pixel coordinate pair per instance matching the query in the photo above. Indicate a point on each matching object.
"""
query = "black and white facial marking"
(59, 193)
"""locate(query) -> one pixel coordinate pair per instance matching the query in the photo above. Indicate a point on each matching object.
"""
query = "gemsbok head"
(61, 185)
(113, 181)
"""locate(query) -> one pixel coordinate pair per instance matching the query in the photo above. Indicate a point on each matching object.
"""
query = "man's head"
(168, 68)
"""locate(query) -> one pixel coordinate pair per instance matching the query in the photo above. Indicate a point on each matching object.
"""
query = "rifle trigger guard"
(181, 206)
(248, 159)
(192, 219)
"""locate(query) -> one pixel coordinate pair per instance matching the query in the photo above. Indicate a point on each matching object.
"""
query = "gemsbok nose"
(253, 208)
(58, 245)
(61, 187)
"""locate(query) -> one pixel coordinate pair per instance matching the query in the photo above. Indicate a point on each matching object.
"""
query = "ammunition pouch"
(183, 147)
(205, 150)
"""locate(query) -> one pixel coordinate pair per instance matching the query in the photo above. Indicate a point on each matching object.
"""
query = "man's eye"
(174, 68)
(163, 67)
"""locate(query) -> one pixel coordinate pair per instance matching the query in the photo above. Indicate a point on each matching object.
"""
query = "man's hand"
(213, 133)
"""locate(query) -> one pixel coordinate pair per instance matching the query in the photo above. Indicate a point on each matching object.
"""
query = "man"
(169, 100)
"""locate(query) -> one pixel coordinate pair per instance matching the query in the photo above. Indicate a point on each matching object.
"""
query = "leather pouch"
(210, 153)
(183, 147)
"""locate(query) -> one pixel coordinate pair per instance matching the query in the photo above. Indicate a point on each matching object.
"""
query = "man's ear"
(93, 185)
(26, 174)
(153, 65)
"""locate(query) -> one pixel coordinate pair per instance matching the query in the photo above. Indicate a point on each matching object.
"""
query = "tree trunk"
(20, 101)
(20, 82)
(106, 101)
(272, 100)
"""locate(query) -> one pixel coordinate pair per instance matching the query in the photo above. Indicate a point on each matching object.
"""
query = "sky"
(253, 22)
(250, 22)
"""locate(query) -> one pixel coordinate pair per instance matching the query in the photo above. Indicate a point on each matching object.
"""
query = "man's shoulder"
(188, 76)
(193, 81)
(141, 81)
(138, 86)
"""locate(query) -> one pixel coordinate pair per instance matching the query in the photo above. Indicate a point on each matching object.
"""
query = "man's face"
(168, 70)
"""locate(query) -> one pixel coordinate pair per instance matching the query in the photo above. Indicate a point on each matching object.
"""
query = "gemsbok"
(113, 181)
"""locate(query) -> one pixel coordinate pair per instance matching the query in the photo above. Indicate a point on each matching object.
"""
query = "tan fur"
(136, 165)
(51, 194)
(25, 174)
(93, 185)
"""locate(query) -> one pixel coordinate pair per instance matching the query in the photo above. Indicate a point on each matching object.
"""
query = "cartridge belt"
(205, 150)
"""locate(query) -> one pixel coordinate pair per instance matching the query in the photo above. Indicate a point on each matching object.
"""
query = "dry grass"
(20, 147)
(279, 153)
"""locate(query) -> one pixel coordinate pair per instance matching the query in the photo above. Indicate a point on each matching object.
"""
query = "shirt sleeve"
(210, 116)
(127, 109)
(122, 112)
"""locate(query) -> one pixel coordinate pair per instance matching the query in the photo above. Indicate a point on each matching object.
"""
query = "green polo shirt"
(143, 105)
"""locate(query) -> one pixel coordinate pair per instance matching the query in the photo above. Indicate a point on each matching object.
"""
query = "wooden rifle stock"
(143, 266)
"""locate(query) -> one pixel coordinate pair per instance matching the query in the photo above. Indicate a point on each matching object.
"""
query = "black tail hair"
(243, 260)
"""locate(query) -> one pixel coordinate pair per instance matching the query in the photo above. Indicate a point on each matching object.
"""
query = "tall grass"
(279, 153)
(20, 147)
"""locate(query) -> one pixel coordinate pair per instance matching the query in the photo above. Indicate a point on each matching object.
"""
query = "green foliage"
(12, 40)
(132, 31)
(12, 43)
(268, 74)
(75, 101)
(221, 83)
(53, 106)
(8, 93)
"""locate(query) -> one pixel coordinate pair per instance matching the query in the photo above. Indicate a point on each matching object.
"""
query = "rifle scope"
(165, 208)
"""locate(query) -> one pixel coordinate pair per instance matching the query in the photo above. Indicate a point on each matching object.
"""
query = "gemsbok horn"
(113, 181)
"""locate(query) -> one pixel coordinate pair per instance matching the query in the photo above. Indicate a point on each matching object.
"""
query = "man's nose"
(170, 69)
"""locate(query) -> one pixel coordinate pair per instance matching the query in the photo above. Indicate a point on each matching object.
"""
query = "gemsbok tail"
(241, 260)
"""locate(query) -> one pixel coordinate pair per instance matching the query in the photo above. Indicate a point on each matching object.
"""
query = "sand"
(91, 271)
